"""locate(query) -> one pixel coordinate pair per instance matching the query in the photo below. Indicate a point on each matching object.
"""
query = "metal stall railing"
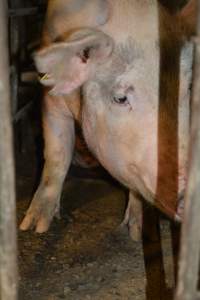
(8, 248)
(20, 61)
(187, 288)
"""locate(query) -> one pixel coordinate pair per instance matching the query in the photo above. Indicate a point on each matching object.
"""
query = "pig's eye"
(122, 100)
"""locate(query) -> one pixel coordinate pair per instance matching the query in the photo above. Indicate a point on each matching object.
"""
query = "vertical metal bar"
(190, 239)
(15, 38)
(8, 248)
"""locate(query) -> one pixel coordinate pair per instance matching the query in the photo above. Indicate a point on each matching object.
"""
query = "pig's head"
(136, 85)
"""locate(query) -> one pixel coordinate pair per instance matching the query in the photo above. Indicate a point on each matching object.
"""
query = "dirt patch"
(84, 255)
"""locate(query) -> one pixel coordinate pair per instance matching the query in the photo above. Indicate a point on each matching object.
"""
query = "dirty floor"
(86, 255)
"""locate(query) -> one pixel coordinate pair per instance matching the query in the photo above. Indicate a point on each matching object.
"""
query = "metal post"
(190, 239)
(8, 249)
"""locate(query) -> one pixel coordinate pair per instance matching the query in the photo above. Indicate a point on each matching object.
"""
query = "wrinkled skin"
(123, 72)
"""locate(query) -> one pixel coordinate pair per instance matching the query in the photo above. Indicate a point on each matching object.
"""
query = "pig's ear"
(66, 66)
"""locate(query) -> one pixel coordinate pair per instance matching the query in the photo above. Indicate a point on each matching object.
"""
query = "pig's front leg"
(58, 126)
(134, 216)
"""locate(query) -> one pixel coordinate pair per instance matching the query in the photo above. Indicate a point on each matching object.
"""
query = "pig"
(121, 70)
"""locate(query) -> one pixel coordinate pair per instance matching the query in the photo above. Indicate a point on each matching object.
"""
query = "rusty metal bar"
(8, 248)
(190, 239)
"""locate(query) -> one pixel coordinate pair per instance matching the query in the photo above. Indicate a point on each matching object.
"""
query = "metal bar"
(22, 12)
(8, 248)
(190, 236)
(22, 112)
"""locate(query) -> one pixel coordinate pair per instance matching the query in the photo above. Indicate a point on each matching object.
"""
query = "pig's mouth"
(46, 79)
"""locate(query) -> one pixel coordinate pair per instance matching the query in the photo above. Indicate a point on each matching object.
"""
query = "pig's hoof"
(39, 215)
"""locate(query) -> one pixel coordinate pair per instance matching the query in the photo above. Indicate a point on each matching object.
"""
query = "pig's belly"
(114, 154)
